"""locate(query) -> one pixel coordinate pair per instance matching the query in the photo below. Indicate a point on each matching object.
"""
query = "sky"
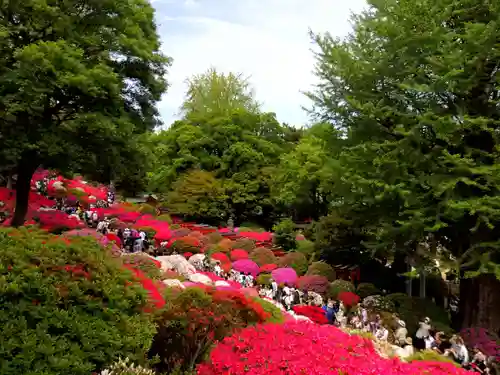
(265, 40)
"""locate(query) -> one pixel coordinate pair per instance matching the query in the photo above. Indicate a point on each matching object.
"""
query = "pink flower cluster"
(486, 341)
(296, 348)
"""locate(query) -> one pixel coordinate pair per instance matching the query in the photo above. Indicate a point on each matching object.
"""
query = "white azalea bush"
(126, 367)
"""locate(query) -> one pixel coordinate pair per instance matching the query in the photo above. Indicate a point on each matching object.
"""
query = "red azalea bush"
(262, 256)
(487, 342)
(186, 244)
(196, 318)
(150, 266)
(314, 283)
(267, 268)
(225, 245)
(238, 254)
(316, 314)
(221, 257)
(297, 348)
(349, 299)
(188, 255)
(226, 267)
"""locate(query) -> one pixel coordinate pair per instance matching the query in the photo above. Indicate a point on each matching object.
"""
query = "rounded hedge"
(275, 314)
(306, 247)
(321, 269)
(262, 256)
(367, 289)
(245, 244)
(339, 286)
(295, 260)
(314, 283)
(69, 301)
(264, 279)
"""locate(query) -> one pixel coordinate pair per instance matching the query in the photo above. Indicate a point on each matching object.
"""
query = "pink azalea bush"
(246, 266)
(303, 348)
(481, 338)
(285, 276)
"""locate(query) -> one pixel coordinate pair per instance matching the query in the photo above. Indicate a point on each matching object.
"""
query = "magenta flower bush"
(285, 276)
(246, 266)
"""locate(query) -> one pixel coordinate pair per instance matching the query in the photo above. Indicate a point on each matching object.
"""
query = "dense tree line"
(400, 165)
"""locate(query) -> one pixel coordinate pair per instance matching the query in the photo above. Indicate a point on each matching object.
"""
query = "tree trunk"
(422, 283)
(25, 169)
(480, 303)
(9, 181)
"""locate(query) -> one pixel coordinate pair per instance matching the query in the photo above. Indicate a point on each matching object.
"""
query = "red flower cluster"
(314, 283)
(349, 299)
(303, 348)
(238, 254)
(316, 314)
(149, 285)
(240, 301)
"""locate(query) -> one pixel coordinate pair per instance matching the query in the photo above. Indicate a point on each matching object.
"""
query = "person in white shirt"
(217, 269)
(274, 288)
(382, 333)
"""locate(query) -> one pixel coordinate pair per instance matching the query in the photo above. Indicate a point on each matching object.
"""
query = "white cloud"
(265, 39)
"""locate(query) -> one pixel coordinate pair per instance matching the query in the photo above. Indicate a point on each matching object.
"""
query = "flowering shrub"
(321, 269)
(144, 263)
(194, 320)
(295, 260)
(349, 299)
(221, 257)
(126, 367)
(316, 314)
(297, 347)
(68, 298)
(246, 266)
(487, 342)
(339, 286)
(285, 276)
(186, 244)
(225, 245)
(268, 268)
(262, 256)
(214, 237)
(238, 254)
(367, 289)
(314, 283)
(275, 314)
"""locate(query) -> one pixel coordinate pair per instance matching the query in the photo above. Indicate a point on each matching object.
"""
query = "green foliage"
(215, 93)
(307, 248)
(264, 279)
(147, 209)
(367, 289)
(215, 237)
(66, 98)
(339, 286)
(321, 269)
(275, 314)
(263, 256)
(69, 300)
(419, 114)
(295, 260)
(430, 356)
(284, 234)
(165, 217)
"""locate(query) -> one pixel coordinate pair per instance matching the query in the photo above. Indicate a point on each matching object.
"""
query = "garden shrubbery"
(295, 260)
(263, 256)
(68, 307)
(367, 289)
(146, 264)
(194, 319)
(306, 247)
(339, 286)
(321, 269)
(314, 283)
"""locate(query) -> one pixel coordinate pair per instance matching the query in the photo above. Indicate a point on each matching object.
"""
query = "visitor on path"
(274, 288)
(422, 334)
(382, 333)
(401, 334)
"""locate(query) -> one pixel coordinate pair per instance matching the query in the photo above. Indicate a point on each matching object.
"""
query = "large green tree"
(414, 88)
(78, 81)
(214, 93)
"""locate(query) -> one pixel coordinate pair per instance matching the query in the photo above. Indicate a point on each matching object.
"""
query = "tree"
(304, 178)
(414, 90)
(241, 150)
(218, 94)
(77, 81)
(198, 195)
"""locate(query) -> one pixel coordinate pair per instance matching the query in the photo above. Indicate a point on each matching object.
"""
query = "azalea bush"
(238, 254)
(349, 299)
(244, 244)
(315, 313)
(275, 315)
(295, 260)
(264, 279)
(262, 256)
(186, 244)
(194, 319)
(313, 283)
(69, 300)
(486, 341)
(298, 347)
(321, 269)
(339, 286)
(150, 266)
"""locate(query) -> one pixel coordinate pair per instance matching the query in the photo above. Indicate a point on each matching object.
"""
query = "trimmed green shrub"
(306, 247)
(147, 209)
(284, 234)
(264, 279)
(165, 217)
(215, 237)
(295, 260)
(321, 269)
(262, 256)
(275, 314)
(69, 301)
(245, 244)
(367, 289)
(339, 286)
